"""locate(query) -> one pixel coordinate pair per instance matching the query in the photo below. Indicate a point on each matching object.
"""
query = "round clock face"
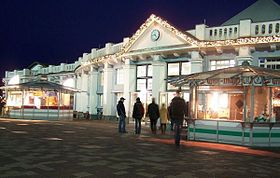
(155, 35)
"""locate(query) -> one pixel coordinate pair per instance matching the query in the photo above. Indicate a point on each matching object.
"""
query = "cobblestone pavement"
(96, 149)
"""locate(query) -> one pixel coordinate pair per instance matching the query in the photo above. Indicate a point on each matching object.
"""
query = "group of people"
(176, 113)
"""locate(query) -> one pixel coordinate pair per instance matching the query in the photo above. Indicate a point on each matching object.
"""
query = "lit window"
(186, 68)
(177, 69)
(144, 77)
(141, 71)
(141, 84)
(220, 64)
(173, 69)
(120, 77)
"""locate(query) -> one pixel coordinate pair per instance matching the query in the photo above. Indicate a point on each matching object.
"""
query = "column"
(84, 98)
(78, 95)
(159, 75)
(107, 90)
(93, 91)
(196, 62)
(129, 84)
(244, 54)
(252, 104)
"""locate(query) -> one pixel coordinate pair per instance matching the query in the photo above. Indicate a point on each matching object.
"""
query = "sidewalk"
(95, 149)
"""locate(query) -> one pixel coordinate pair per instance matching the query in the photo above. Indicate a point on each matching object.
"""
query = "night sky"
(55, 31)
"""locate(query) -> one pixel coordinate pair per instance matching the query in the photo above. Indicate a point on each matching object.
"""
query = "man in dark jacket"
(178, 110)
(122, 115)
(138, 112)
(153, 113)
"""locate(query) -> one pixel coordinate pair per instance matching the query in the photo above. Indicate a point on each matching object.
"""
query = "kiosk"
(39, 100)
(237, 105)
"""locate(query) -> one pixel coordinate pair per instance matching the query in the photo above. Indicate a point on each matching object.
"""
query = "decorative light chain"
(189, 40)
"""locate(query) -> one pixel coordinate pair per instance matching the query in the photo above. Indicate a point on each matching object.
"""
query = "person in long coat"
(163, 118)
(153, 114)
(178, 110)
(122, 115)
(137, 114)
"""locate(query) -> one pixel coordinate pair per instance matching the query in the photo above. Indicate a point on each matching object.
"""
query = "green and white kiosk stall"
(237, 105)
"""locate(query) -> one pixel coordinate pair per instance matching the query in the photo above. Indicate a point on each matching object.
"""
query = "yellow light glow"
(218, 101)
(14, 80)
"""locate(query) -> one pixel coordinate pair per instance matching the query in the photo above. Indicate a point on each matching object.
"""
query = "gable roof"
(181, 34)
(238, 72)
(260, 11)
(35, 64)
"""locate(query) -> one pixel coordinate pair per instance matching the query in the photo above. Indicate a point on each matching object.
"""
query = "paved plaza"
(96, 149)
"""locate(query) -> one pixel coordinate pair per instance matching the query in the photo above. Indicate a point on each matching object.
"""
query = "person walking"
(172, 121)
(163, 118)
(178, 110)
(122, 115)
(153, 114)
(137, 114)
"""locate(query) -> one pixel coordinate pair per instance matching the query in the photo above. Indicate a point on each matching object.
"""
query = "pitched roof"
(260, 11)
(153, 18)
(40, 84)
(37, 63)
(237, 72)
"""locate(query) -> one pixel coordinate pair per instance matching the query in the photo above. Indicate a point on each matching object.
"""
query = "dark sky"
(55, 31)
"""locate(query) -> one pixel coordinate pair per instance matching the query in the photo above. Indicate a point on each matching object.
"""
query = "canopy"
(239, 75)
(40, 84)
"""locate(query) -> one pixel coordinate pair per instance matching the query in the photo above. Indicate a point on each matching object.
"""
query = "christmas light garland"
(189, 40)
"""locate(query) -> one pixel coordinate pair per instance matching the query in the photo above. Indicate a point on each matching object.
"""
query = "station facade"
(140, 65)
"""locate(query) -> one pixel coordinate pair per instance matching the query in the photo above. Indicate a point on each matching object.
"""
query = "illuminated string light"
(195, 44)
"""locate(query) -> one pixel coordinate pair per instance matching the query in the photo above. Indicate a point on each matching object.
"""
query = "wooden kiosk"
(237, 105)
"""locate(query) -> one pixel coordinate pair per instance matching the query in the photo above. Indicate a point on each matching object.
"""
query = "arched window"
(235, 30)
(230, 31)
(220, 32)
(225, 31)
(210, 32)
(263, 29)
(215, 32)
(270, 28)
(256, 29)
(277, 28)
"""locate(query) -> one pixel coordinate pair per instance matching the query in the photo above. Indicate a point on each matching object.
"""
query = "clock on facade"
(155, 35)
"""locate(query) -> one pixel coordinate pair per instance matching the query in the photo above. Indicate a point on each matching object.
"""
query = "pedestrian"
(171, 119)
(178, 110)
(122, 115)
(137, 114)
(153, 114)
(163, 118)
(1, 106)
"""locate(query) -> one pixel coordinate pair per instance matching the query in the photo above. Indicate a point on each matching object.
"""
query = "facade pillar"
(78, 96)
(82, 96)
(107, 90)
(196, 62)
(93, 91)
(129, 85)
(244, 54)
(159, 75)
(252, 104)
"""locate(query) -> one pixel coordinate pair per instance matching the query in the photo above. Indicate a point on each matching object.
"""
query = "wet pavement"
(96, 149)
